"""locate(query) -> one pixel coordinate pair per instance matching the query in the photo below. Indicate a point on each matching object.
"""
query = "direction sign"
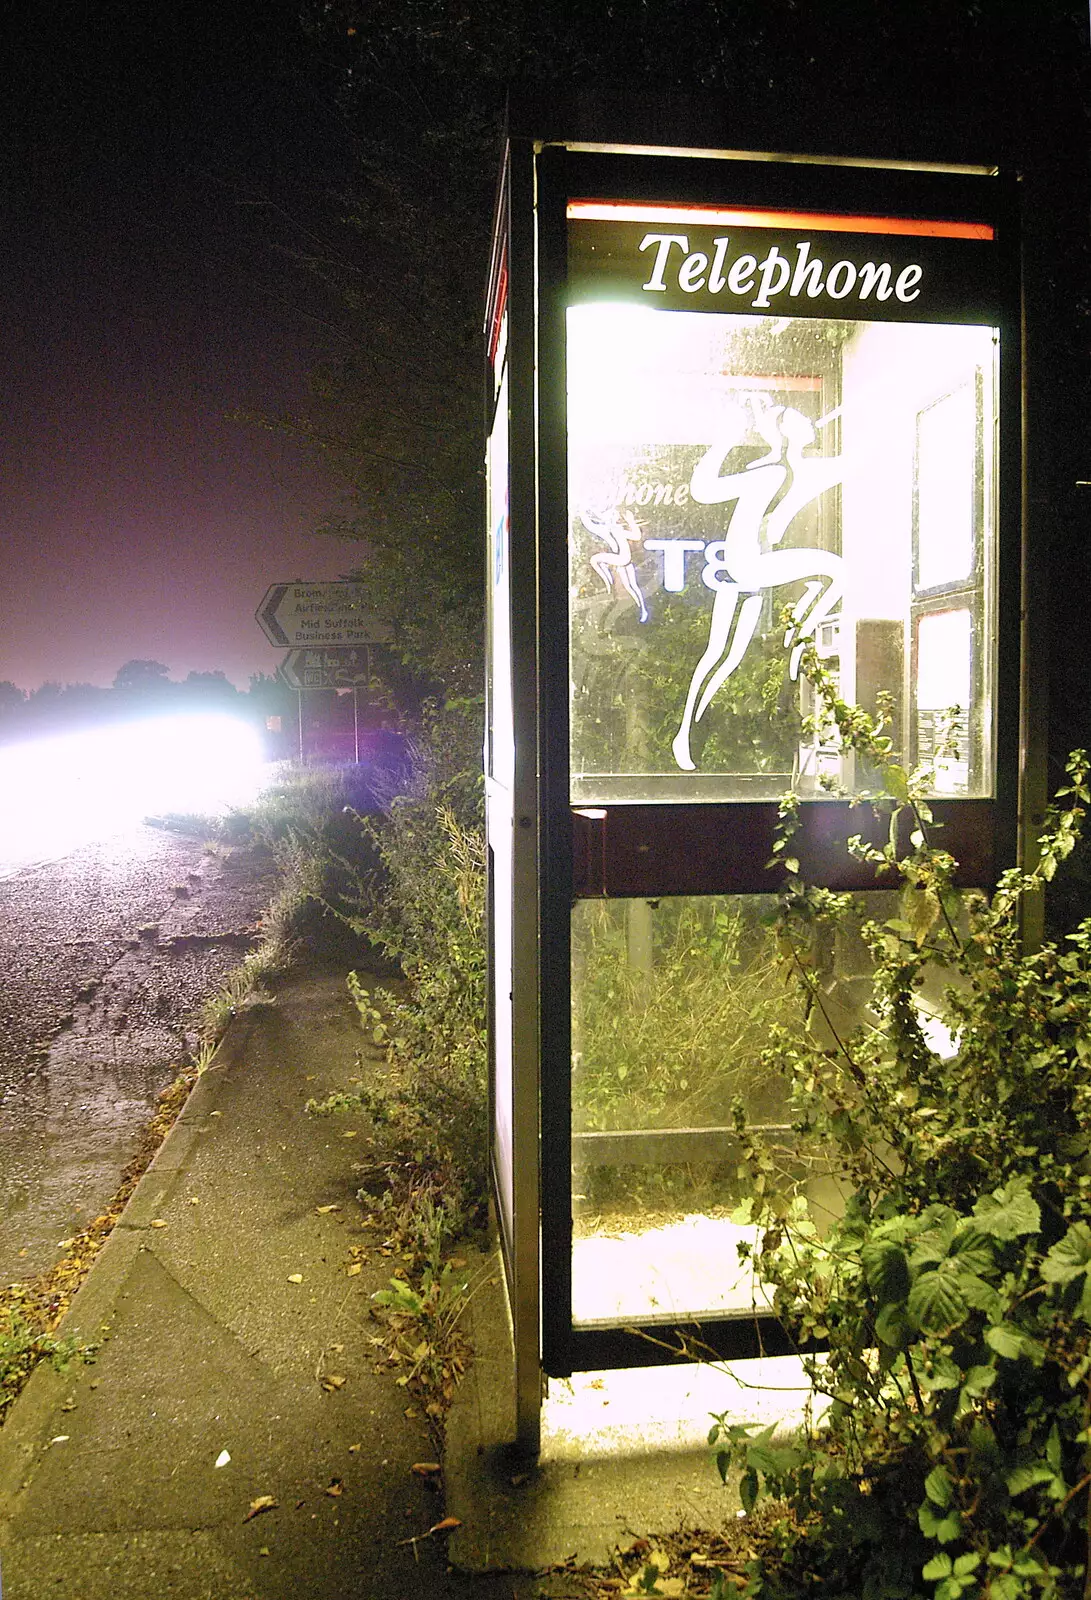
(296, 615)
(324, 669)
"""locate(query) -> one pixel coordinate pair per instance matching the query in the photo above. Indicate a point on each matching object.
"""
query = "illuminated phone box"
(739, 409)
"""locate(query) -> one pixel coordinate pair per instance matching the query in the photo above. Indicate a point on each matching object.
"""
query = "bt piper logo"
(759, 283)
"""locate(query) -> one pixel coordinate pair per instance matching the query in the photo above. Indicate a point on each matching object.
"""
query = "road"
(105, 957)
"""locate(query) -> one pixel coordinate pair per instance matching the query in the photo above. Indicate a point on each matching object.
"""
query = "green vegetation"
(673, 1042)
(422, 906)
(24, 1344)
(954, 1289)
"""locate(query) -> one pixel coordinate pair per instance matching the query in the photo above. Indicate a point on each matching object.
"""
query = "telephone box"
(736, 405)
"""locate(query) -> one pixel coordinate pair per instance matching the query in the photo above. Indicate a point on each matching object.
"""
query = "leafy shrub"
(954, 1288)
(423, 907)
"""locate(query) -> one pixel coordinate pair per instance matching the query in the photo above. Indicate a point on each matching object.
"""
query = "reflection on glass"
(740, 486)
(947, 489)
(944, 646)
(945, 696)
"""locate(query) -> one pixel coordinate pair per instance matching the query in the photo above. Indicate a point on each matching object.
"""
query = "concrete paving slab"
(108, 1482)
(582, 1504)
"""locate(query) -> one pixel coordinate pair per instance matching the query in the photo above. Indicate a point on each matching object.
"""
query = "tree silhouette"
(142, 676)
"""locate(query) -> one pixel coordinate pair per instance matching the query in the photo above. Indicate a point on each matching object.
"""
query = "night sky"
(151, 162)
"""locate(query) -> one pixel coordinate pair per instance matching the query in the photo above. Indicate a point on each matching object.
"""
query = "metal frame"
(567, 852)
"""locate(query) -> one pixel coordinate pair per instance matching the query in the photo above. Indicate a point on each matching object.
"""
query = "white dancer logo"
(617, 529)
(768, 494)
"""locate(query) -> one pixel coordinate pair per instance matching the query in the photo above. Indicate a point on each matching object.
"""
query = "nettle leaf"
(980, 1296)
(892, 1326)
(886, 1269)
(1022, 1478)
(975, 1249)
(1070, 1256)
(943, 1527)
(936, 1302)
(774, 1463)
(978, 1381)
(940, 1566)
(1011, 1343)
(938, 1487)
(1010, 1212)
(933, 1243)
(896, 782)
(945, 1375)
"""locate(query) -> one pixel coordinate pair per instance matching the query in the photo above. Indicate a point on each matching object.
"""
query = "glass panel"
(943, 695)
(947, 489)
(672, 1002)
(725, 468)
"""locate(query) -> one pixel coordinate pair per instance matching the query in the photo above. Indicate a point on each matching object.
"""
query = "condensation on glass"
(741, 485)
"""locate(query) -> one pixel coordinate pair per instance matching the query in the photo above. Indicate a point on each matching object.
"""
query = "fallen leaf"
(324, 1211)
(446, 1525)
(62, 1438)
(222, 1459)
(264, 1502)
(354, 1449)
(350, 1135)
(193, 1200)
(333, 1381)
(425, 1469)
(264, 1551)
(354, 1271)
(295, 1277)
(157, 1222)
(334, 1488)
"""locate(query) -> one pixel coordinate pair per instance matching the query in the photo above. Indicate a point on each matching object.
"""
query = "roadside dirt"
(105, 959)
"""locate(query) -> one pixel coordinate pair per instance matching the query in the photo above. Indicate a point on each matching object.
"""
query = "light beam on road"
(59, 793)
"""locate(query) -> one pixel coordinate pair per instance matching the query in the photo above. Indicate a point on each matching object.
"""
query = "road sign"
(298, 615)
(324, 669)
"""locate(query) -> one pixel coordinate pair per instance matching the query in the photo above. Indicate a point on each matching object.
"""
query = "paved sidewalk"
(221, 1302)
(109, 1483)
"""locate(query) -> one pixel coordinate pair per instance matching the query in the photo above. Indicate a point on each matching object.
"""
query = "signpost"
(301, 615)
(325, 669)
(328, 632)
(328, 669)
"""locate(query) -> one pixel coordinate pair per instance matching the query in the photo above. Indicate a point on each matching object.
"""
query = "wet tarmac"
(105, 958)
